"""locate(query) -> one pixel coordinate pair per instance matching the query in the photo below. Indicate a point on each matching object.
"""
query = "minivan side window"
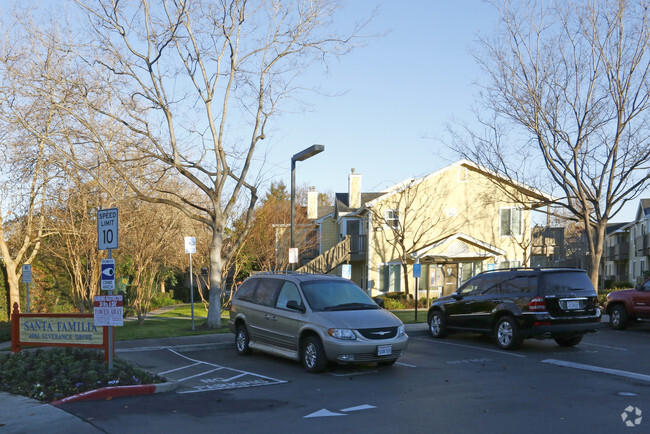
(288, 292)
(246, 291)
(267, 291)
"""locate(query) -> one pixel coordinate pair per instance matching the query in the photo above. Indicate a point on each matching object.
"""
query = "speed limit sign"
(107, 228)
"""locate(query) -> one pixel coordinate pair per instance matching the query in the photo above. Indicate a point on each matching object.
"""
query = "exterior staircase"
(330, 259)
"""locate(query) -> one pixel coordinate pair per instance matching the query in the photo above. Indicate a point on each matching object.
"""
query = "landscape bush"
(51, 374)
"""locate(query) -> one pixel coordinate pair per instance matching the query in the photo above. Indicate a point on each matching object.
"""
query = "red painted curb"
(109, 393)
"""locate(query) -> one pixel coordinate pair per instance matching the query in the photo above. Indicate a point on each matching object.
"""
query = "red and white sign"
(108, 310)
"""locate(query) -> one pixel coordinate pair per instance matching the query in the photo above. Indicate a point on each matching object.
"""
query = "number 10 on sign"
(107, 229)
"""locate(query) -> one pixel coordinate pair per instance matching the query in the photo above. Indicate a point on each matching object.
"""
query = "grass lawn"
(408, 316)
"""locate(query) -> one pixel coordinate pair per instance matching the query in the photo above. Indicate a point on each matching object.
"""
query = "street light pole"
(300, 156)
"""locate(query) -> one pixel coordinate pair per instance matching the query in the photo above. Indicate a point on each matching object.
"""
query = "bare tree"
(187, 89)
(28, 168)
(408, 221)
(568, 91)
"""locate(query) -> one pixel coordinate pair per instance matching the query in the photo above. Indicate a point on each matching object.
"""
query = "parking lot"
(459, 384)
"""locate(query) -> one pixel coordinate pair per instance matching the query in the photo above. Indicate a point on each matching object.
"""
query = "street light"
(300, 156)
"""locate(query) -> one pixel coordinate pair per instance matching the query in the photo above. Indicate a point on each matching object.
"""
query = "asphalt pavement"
(20, 414)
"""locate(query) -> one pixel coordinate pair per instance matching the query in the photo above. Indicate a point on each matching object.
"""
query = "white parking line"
(179, 369)
(627, 374)
(475, 348)
(262, 380)
(605, 346)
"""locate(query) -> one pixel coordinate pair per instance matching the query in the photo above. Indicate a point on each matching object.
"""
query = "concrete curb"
(107, 393)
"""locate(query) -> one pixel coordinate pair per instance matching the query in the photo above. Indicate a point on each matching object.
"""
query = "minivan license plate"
(384, 350)
(571, 305)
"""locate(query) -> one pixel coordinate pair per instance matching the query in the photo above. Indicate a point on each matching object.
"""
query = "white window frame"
(391, 216)
(521, 221)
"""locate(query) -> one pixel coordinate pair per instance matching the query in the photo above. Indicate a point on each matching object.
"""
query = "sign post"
(27, 278)
(190, 247)
(107, 239)
(417, 273)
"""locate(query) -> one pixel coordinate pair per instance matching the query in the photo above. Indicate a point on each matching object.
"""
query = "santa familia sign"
(56, 330)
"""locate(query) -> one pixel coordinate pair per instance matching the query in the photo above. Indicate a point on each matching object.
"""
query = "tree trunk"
(216, 266)
(14, 284)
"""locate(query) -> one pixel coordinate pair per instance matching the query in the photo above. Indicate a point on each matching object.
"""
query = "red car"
(628, 304)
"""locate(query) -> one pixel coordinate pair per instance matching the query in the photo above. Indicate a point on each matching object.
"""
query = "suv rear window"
(565, 281)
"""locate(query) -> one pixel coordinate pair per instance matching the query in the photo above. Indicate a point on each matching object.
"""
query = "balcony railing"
(618, 252)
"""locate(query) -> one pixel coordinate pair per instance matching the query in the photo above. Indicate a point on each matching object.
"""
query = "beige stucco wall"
(442, 205)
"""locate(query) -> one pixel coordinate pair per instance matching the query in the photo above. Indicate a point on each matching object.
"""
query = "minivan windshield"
(328, 295)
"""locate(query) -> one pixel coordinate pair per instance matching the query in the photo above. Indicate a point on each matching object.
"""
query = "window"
(392, 218)
(511, 222)
(510, 264)
(389, 278)
(462, 174)
(267, 291)
(289, 292)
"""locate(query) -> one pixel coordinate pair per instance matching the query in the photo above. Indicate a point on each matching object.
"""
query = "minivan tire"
(313, 355)
(506, 333)
(242, 340)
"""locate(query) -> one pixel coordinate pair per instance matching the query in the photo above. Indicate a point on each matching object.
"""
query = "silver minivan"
(314, 318)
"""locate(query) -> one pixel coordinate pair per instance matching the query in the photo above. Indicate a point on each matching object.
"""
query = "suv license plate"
(384, 350)
(573, 305)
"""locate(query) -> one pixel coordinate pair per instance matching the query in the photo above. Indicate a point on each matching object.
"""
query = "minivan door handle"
(496, 301)
(271, 317)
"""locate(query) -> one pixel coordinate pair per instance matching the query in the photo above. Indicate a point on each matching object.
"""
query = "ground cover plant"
(51, 374)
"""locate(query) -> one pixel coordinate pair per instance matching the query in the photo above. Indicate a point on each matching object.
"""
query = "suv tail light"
(537, 304)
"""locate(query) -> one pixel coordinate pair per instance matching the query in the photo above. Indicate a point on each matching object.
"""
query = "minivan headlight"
(342, 334)
(401, 331)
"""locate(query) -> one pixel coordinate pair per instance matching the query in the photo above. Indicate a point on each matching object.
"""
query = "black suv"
(519, 303)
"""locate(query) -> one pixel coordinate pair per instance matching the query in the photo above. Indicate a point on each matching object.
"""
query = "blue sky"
(398, 92)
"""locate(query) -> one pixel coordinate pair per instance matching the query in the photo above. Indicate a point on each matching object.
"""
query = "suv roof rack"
(530, 269)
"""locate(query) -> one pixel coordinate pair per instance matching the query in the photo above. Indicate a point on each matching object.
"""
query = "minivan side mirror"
(293, 305)
(456, 296)
(379, 301)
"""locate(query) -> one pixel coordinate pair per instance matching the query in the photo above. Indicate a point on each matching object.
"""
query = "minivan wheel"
(242, 340)
(507, 333)
(313, 355)
(569, 341)
(618, 318)
(437, 326)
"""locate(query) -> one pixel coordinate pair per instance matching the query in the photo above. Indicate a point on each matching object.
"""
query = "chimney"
(312, 204)
(354, 190)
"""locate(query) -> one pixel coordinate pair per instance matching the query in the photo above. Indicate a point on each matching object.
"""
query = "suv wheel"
(313, 355)
(507, 333)
(569, 341)
(242, 340)
(437, 325)
(618, 318)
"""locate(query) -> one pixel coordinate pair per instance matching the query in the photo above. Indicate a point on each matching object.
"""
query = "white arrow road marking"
(324, 413)
(359, 407)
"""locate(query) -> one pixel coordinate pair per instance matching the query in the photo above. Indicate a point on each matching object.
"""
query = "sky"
(394, 97)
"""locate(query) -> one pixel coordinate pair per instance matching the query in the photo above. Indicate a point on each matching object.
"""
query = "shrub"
(393, 304)
(5, 331)
(161, 299)
(55, 373)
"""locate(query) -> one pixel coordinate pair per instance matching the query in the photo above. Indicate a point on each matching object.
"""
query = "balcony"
(642, 245)
(618, 252)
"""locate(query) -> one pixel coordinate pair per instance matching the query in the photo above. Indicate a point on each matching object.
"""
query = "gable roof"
(526, 189)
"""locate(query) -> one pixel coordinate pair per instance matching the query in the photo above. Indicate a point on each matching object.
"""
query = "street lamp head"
(308, 153)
